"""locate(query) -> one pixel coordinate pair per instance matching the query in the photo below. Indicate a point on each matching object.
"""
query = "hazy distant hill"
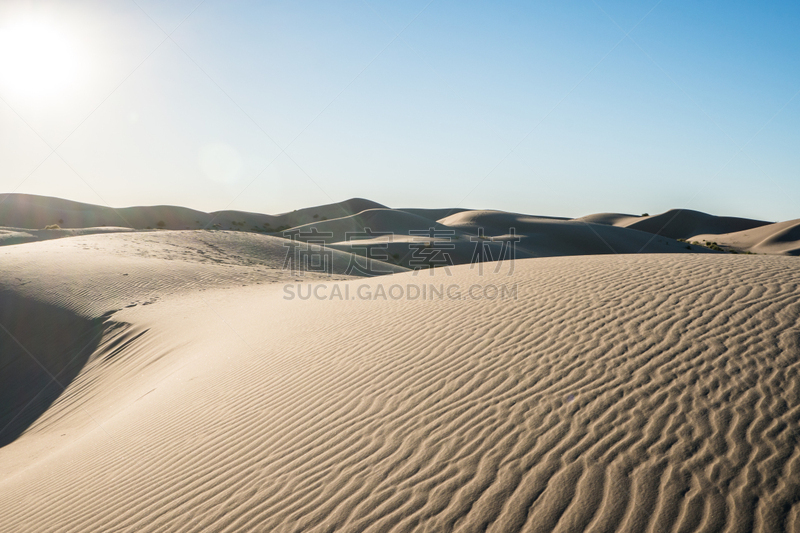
(23, 217)
(35, 212)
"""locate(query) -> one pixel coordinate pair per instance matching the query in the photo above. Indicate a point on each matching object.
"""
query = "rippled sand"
(615, 393)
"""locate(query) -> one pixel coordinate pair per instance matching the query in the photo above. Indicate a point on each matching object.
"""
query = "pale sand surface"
(779, 238)
(616, 393)
(22, 235)
(56, 295)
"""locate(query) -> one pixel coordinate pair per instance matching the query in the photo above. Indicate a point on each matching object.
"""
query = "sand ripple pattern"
(617, 393)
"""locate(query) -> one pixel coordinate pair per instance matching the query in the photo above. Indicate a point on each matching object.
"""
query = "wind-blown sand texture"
(616, 393)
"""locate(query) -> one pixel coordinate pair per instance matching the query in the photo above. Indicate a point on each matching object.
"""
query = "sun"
(37, 60)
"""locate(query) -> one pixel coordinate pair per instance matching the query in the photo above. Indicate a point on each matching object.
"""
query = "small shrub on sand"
(161, 224)
(713, 246)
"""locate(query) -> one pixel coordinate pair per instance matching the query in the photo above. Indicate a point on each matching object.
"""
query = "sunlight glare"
(36, 60)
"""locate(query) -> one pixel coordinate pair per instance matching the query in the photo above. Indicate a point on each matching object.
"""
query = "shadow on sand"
(42, 349)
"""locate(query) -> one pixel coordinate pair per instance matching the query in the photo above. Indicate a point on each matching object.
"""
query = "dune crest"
(32, 211)
(686, 223)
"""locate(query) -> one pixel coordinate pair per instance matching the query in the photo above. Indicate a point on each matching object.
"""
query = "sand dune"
(493, 221)
(402, 244)
(31, 211)
(25, 215)
(56, 296)
(62, 342)
(611, 219)
(457, 235)
(22, 235)
(614, 393)
(741, 234)
(259, 222)
(434, 214)
(335, 210)
(377, 220)
(550, 236)
(76, 270)
(779, 238)
(685, 224)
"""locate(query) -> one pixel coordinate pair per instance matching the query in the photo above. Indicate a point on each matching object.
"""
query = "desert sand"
(178, 381)
(780, 238)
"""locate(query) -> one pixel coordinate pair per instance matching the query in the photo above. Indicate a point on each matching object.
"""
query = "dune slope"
(614, 393)
(43, 348)
(549, 236)
(377, 220)
(32, 211)
(779, 238)
(611, 219)
(686, 223)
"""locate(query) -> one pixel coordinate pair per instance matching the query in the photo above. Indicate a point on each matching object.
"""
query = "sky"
(554, 108)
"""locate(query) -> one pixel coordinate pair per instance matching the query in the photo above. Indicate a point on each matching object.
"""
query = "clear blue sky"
(537, 107)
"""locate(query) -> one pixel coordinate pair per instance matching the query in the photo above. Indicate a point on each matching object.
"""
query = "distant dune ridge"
(187, 381)
(686, 224)
(23, 217)
(36, 212)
